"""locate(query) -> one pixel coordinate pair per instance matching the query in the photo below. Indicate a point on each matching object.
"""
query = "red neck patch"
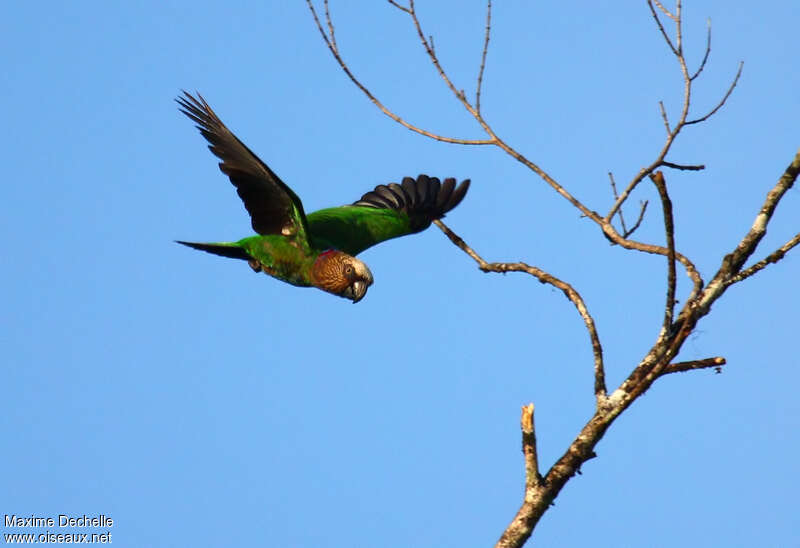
(323, 257)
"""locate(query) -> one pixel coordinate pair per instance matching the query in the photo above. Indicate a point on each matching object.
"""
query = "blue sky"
(198, 404)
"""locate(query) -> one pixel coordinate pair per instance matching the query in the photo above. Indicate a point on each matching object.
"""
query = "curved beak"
(358, 290)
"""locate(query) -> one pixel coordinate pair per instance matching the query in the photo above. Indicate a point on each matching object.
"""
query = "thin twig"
(687, 82)
(604, 223)
(483, 55)
(614, 191)
(665, 10)
(493, 138)
(644, 172)
(724, 99)
(427, 44)
(660, 26)
(693, 365)
(489, 131)
(677, 50)
(707, 53)
(330, 27)
(642, 209)
(545, 278)
(672, 133)
(398, 6)
(664, 117)
(334, 50)
(638, 221)
(683, 167)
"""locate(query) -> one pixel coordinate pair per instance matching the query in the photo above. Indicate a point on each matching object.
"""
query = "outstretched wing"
(273, 207)
(389, 211)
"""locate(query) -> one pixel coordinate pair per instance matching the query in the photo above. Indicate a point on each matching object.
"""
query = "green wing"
(387, 212)
(273, 207)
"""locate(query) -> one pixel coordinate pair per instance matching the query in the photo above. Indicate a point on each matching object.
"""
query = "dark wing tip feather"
(410, 187)
(423, 200)
(445, 192)
(199, 112)
(273, 207)
(457, 195)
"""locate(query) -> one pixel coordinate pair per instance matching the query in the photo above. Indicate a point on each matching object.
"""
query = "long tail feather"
(230, 250)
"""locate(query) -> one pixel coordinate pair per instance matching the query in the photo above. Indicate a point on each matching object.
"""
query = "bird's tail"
(231, 250)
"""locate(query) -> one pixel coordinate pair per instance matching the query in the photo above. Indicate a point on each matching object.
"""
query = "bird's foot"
(255, 265)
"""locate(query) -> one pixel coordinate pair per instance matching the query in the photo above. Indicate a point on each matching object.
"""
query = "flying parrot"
(316, 250)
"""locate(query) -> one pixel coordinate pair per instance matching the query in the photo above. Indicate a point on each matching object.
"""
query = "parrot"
(316, 250)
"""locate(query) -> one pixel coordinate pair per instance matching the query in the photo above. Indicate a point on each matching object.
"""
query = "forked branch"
(730, 271)
(643, 208)
(772, 258)
(330, 41)
(676, 47)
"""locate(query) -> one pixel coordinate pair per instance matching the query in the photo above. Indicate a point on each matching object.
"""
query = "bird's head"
(341, 274)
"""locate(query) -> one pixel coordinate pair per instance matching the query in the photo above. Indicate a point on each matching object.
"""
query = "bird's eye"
(348, 270)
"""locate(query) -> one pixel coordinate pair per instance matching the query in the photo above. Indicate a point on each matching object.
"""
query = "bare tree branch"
(545, 278)
(772, 258)
(667, 39)
(707, 53)
(733, 262)
(604, 223)
(533, 480)
(664, 117)
(691, 269)
(643, 208)
(616, 195)
(665, 10)
(493, 138)
(678, 29)
(669, 230)
(672, 133)
(532, 477)
(335, 51)
(427, 44)
(693, 365)
(331, 33)
(398, 6)
(722, 101)
(681, 167)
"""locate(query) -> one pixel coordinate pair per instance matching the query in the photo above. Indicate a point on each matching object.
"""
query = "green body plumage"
(318, 249)
(280, 257)
(353, 229)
